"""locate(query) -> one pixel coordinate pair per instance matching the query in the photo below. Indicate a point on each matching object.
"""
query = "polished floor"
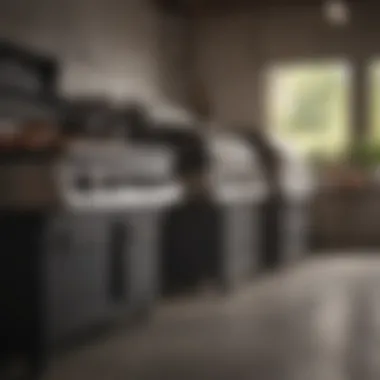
(318, 321)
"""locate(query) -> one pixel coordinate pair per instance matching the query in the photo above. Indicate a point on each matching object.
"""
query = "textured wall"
(226, 64)
(112, 47)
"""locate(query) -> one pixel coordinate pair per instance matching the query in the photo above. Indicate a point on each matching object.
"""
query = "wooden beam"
(169, 6)
(223, 6)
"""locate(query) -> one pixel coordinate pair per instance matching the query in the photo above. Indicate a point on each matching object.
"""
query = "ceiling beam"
(223, 6)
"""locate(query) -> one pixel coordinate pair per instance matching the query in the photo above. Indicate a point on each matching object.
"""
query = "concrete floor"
(319, 321)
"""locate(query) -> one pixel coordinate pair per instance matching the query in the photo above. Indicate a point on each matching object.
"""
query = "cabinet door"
(132, 261)
(238, 243)
(143, 257)
(20, 255)
(76, 272)
(89, 269)
(118, 263)
(295, 232)
(60, 246)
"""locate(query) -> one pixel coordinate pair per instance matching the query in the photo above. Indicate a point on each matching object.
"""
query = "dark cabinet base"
(203, 241)
(283, 233)
(65, 275)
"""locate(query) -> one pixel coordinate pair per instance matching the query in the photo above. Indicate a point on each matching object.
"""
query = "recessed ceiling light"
(336, 12)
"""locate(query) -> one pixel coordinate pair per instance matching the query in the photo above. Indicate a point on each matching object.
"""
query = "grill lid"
(296, 176)
(234, 172)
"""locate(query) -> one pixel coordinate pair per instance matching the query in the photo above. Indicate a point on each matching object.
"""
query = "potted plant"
(356, 169)
(364, 162)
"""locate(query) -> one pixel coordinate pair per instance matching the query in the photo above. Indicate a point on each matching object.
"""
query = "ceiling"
(231, 5)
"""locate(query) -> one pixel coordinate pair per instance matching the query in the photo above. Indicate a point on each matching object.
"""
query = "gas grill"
(79, 232)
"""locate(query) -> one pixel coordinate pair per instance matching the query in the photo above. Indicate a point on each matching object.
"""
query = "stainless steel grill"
(209, 234)
(284, 216)
(84, 243)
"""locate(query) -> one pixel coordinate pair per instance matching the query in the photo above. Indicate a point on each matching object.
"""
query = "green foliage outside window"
(374, 102)
(366, 155)
(309, 106)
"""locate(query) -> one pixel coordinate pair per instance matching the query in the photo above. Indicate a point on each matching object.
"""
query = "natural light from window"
(374, 101)
(309, 105)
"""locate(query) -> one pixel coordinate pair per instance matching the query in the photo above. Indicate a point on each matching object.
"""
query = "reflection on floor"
(320, 321)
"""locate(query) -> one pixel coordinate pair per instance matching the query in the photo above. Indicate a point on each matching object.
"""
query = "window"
(374, 101)
(309, 105)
